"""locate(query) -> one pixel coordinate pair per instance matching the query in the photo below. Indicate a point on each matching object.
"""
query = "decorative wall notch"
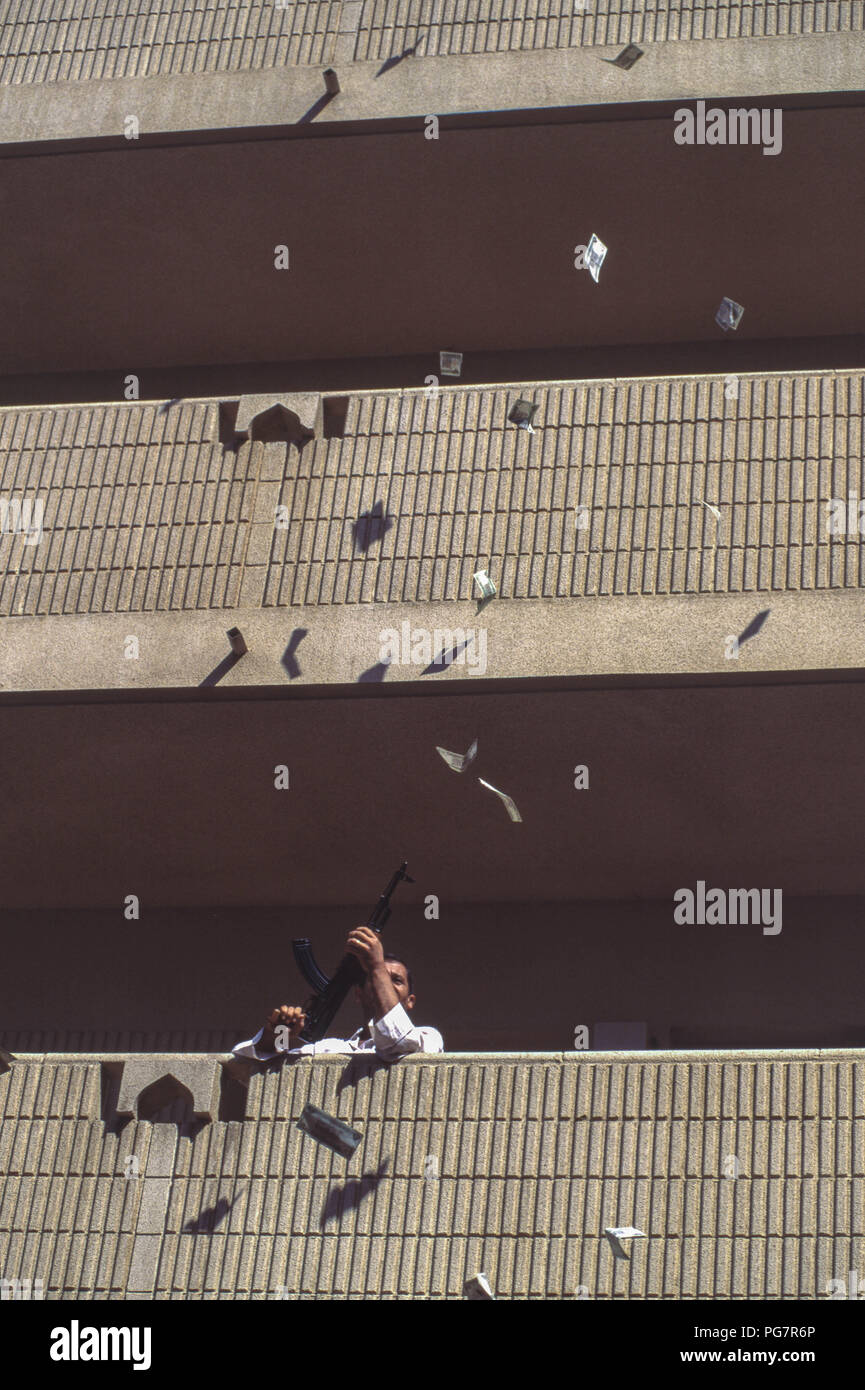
(154, 1083)
(292, 418)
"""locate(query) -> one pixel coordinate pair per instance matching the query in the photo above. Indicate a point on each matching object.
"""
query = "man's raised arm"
(393, 1032)
(263, 1046)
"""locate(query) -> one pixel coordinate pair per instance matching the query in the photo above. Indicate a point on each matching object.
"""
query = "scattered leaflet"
(459, 761)
(510, 804)
(595, 253)
(328, 1130)
(729, 314)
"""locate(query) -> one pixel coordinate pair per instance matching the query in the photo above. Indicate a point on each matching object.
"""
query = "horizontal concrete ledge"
(530, 368)
(528, 686)
(611, 112)
(517, 384)
(611, 638)
(450, 87)
(415, 689)
(794, 1054)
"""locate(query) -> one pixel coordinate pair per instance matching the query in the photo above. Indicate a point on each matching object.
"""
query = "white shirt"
(394, 1036)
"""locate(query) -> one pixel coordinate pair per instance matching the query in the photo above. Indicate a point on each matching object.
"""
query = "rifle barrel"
(328, 1001)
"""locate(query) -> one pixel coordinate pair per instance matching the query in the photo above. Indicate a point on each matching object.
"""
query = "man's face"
(399, 980)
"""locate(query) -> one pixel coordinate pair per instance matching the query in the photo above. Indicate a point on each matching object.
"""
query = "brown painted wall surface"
(564, 919)
(490, 976)
(401, 245)
(176, 802)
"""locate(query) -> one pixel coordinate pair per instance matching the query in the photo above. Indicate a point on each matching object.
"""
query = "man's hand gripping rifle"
(329, 994)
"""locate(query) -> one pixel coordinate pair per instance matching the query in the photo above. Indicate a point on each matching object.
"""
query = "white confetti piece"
(595, 255)
(485, 584)
(510, 804)
(729, 314)
(616, 1234)
(459, 761)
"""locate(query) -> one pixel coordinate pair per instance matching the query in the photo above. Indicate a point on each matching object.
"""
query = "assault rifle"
(330, 993)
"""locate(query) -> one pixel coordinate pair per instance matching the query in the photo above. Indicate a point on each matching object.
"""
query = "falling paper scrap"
(628, 57)
(522, 413)
(450, 363)
(328, 1130)
(485, 584)
(478, 1287)
(595, 253)
(616, 1234)
(729, 314)
(510, 804)
(459, 761)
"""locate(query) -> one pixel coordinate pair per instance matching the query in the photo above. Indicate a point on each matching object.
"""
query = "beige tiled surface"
(130, 1040)
(146, 511)
(73, 40)
(484, 26)
(534, 1155)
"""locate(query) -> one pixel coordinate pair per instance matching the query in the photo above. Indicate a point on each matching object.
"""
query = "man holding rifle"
(385, 996)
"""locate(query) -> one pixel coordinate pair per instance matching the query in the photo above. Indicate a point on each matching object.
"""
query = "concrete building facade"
(222, 410)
